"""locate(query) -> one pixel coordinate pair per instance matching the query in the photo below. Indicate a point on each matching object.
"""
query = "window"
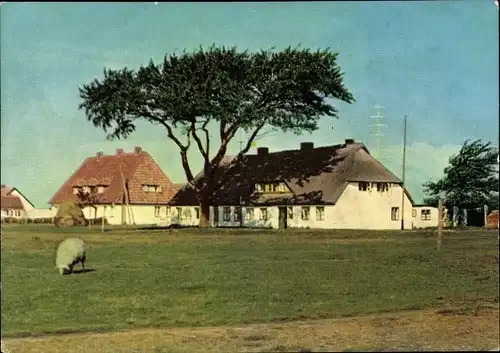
(363, 186)
(100, 189)
(75, 190)
(249, 214)
(258, 187)
(236, 214)
(395, 213)
(414, 213)
(226, 214)
(281, 187)
(320, 213)
(382, 187)
(167, 211)
(157, 211)
(197, 212)
(186, 214)
(267, 188)
(151, 188)
(179, 212)
(263, 214)
(290, 212)
(425, 215)
(86, 189)
(305, 213)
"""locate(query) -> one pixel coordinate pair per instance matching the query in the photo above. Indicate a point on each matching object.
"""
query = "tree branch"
(203, 152)
(183, 148)
(207, 137)
(251, 139)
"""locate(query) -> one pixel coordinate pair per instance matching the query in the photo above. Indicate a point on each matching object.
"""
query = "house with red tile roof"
(333, 187)
(126, 188)
(13, 203)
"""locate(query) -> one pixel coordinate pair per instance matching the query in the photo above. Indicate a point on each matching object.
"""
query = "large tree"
(470, 180)
(187, 94)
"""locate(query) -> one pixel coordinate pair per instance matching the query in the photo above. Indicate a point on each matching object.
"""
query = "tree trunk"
(204, 213)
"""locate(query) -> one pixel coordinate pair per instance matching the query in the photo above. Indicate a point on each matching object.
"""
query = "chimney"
(349, 141)
(119, 151)
(99, 155)
(262, 151)
(306, 146)
(137, 149)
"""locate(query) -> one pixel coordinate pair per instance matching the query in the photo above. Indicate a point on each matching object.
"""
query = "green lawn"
(147, 278)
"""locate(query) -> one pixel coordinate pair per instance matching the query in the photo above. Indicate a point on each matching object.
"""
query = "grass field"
(187, 278)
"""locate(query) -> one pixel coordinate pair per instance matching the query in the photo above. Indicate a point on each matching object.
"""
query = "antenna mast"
(404, 186)
(378, 125)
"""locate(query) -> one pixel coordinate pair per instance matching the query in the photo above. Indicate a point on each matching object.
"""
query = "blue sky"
(437, 62)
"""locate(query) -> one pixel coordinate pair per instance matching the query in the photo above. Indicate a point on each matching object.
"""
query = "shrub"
(69, 214)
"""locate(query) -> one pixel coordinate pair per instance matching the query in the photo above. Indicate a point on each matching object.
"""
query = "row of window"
(179, 212)
(425, 214)
(264, 215)
(99, 189)
(381, 187)
(274, 187)
(151, 188)
(249, 213)
(89, 189)
(12, 213)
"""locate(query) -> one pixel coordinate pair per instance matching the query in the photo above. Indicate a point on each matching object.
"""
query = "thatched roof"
(313, 175)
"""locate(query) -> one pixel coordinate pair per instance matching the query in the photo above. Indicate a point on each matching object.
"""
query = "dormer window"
(100, 189)
(86, 189)
(151, 188)
(75, 190)
(271, 188)
(281, 187)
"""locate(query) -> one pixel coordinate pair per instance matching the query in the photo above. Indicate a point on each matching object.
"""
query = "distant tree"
(286, 90)
(88, 199)
(470, 180)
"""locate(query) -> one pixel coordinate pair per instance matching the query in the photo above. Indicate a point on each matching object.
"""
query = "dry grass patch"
(414, 331)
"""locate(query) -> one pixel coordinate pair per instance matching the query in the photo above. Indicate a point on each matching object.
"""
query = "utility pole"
(404, 166)
(378, 125)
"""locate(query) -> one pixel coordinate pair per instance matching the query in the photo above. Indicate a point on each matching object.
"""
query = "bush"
(69, 214)
(10, 220)
(40, 220)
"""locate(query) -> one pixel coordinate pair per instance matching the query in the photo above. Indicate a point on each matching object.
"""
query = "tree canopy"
(470, 180)
(288, 90)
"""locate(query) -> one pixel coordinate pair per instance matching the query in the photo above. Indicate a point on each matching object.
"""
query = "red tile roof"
(11, 203)
(138, 168)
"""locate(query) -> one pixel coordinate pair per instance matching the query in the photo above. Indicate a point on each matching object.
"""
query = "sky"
(436, 62)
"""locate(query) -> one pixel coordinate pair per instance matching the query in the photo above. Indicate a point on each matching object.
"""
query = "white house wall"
(371, 209)
(134, 214)
(418, 222)
(36, 213)
(355, 209)
(13, 213)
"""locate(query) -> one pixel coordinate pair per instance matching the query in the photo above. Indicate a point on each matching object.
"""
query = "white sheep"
(70, 252)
